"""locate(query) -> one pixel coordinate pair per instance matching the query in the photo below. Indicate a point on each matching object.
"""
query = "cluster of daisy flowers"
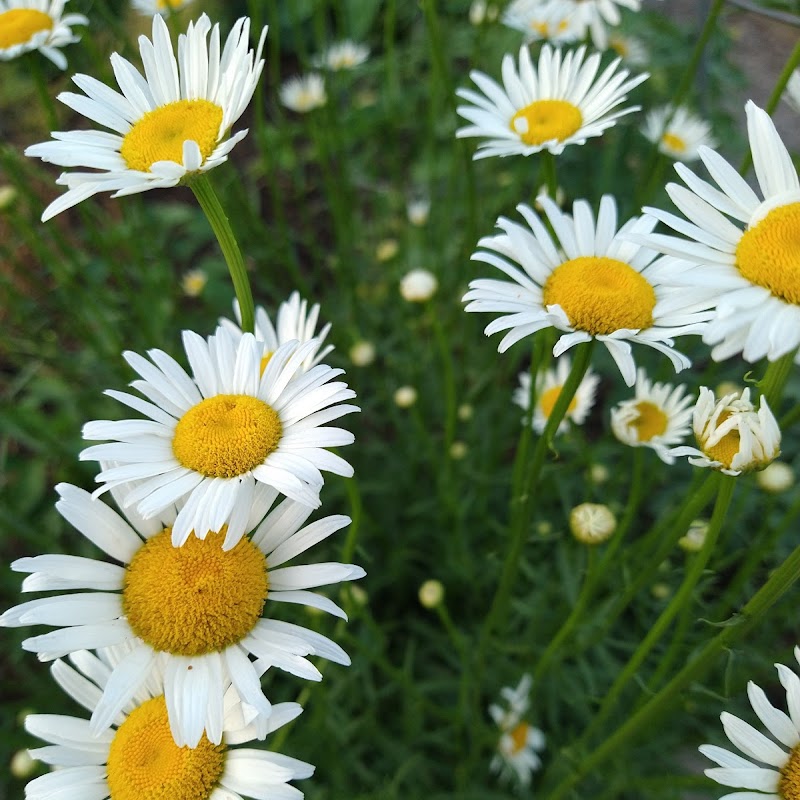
(213, 483)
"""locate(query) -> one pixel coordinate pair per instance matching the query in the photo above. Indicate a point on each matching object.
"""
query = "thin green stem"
(547, 175)
(42, 89)
(220, 224)
(774, 380)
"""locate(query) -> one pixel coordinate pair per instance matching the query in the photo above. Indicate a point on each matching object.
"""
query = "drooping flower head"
(678, 132)
(559, 102)
(191, 616)
(248, 417)
(591, 282)
(751, 267)
(138, 758)
(41, 25)
(173, 121)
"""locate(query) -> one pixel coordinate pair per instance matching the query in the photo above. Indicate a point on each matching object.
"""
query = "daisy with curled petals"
(193, 615)
(678, 132)
(561, 101)
(41, 25)
(592, 283)
(164, 7)
(172, 122)
(751, 262)
(658, 416)
(548, 388)
(295, 321)
(732, 436)
(138, 758)
(776, 775)
(209, 441)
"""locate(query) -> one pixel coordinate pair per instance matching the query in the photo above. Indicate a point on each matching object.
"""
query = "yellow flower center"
(197, 598)
(768, 254)
(601, 295)
(651, 422)
(546, 120)
(519, 737)
(549, 398)
(727, 447)
(226, 435)
(163, 5)
(159, 135)
(789, 784)
(673, 142)
(19, 25)
(145, 762)
(266, 359)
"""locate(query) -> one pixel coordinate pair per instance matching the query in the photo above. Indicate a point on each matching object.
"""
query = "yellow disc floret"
(197, 598)
(789, 784)
(768, 254)
(144, 763)
(549, 398)
(546, 121)
(226, 435)
(727, 447)
(20, 25)
(159, 135)
(519, 737)
(673, 142)
(651, 422)
(601, 295)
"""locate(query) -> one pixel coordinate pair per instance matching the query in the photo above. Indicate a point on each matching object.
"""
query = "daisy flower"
(192, 614)
(750, 265)
(519, 743)
(41, 25)
(209, 441)
(554, 21)
(560, 102)
(592, 283)
(776, 776)
(138, 758)
(295, 321)
(304, 93)
(597, 16)
(342, 55)
(732, 436)
(630, 49)
(166, 125)
(592, 523)
(679, 133)
(164, 7)
(548, 387)
(658, 416)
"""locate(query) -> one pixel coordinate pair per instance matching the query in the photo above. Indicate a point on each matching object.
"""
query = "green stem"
(547, 174)
(212, 208)
(774, 380)
(776, 586)
(45, 98)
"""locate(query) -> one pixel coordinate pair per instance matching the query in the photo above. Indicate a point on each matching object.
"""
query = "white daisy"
(597, 16)
(41, 25)
(342, 55)
(304, 93)
(295, 321)
(549, 384)
(658, 416)
(776, 776)
(753, 270)
(792, 92)
(630, 49)
(558, 103)
(171, 123)
(732, 436)
(138, 757)
(553, 20)
(680, 134)
(164, 7)
(193, 614)
(519, 743)
(590, 283)
(209, 441)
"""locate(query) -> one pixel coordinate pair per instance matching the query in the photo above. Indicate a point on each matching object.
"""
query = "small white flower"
(418, 210)
(342, 55)
(164, 7)
(592, 523)
(555, 21)
(597, 16)
(193, 282)
(405, 397)
(680, 134)
(431, 594)
(304, 93)
(418, 286)
(630, 49)
(480, 11)
(362, 353)
(694, 538)
(776, 477)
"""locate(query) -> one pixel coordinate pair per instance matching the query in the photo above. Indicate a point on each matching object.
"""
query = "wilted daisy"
(41, 25)
(552, 20)
(679, 133)
(549, 384)
(165, 7)
(658, 416)
(559, 102)
(519, 743)
(592, 523)
(193, 614)
(209, 441)
(597, 16)
(732, 436)
(342, 55)
(295, 321)
(752, 269)
(590, 283)
(167, 125)
(138, 758)
(304, 93)
(776, 775)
